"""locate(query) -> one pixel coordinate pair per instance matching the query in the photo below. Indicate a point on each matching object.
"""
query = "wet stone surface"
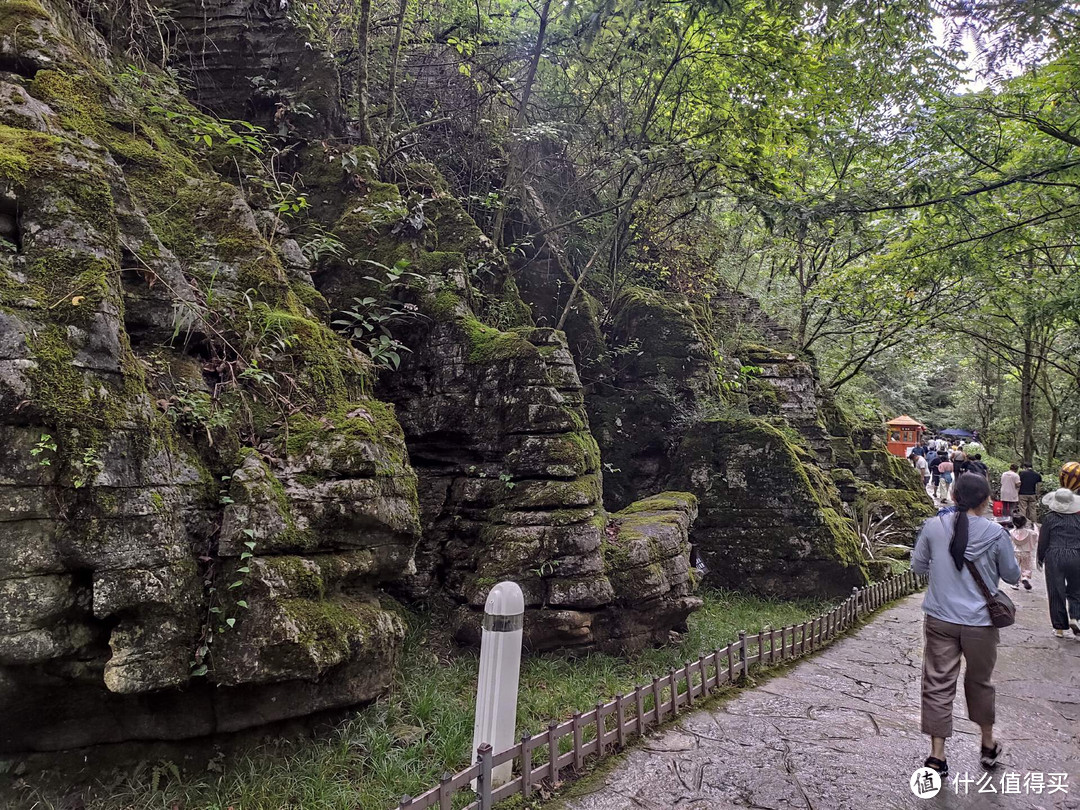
(840, 731)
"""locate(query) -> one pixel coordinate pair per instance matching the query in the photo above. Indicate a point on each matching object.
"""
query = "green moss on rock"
(24, 154)
(362, 421)
(663, 502)
(301, 577)
(487, 344)
(326, 628)
(909, 508)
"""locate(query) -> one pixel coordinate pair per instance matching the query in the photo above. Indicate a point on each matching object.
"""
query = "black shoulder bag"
(1002, 610)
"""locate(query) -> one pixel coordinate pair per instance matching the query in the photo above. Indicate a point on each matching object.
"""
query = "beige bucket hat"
(1063, 501)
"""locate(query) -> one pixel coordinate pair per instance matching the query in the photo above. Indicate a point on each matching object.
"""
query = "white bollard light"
(500, 667)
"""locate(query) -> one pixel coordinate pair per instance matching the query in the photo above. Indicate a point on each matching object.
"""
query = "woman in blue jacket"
(957, 619)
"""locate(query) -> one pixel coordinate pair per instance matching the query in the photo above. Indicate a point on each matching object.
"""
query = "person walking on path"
(975, 464)
(1059, 551)
(934, 465)
(1010, 489)
(1029, 493)
(919, 463)
(957, 621)
(945, 470)
(1025, 539)
(960, 464)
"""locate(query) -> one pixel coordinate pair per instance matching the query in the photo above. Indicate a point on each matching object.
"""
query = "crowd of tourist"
(966, 550)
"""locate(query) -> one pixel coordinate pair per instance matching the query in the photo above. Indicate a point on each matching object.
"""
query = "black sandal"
(939, 765)
(988, 757)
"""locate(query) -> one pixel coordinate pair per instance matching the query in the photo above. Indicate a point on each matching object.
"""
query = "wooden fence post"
(730, 664)
(716, 665)
(639, 704)
(674, 692)
(483, 781)
(601, 730)
(553, 753)
(405, 803)
(742, 655)
(657, 703)
(620, 719)
(704, 669)
(579, 757)
(855, 603)
(526, 765)
(688, 673)
(446, 793)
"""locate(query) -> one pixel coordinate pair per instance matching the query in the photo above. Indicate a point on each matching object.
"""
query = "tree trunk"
(1027, 398)
(363, 31)
(391, 90)
(985, 405)
(513, 167)
(1053, 438)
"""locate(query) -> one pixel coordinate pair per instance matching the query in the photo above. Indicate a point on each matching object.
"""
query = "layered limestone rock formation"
(200, 501)
(248, 59)
(682, 402)
(494, 418)
(212, 502)
(207, 495)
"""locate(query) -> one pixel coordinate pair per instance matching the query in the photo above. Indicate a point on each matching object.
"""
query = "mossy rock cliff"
(763, 522)
(153, 326)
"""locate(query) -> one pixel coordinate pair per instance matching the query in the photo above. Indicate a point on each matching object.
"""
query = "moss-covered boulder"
(764, 523)
(909, 509)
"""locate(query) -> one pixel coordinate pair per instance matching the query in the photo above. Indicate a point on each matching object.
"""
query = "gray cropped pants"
(945, 644)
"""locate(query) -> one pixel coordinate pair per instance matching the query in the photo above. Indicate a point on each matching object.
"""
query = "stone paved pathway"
(840, 731)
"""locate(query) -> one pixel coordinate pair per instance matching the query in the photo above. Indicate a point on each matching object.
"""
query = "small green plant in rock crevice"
(87, 467)
(85, 464)
(44, 445)
(198, 411)
(369, 320)
(874, 532)
(219, 619)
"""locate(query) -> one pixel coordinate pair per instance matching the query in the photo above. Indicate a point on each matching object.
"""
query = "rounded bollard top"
(505, 599)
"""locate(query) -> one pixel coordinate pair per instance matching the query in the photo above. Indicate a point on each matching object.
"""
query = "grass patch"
(405, 741)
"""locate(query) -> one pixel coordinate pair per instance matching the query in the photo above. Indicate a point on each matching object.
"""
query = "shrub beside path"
(840, 731)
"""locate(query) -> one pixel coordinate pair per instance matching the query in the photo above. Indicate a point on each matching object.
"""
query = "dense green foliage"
(896, 180)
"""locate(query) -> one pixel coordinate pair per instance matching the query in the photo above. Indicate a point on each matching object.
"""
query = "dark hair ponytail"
(970, 491)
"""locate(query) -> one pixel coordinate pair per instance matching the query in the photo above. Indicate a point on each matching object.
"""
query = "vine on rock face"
(218, 620)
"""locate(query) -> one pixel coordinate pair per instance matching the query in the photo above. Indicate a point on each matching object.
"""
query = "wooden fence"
(610, 725)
